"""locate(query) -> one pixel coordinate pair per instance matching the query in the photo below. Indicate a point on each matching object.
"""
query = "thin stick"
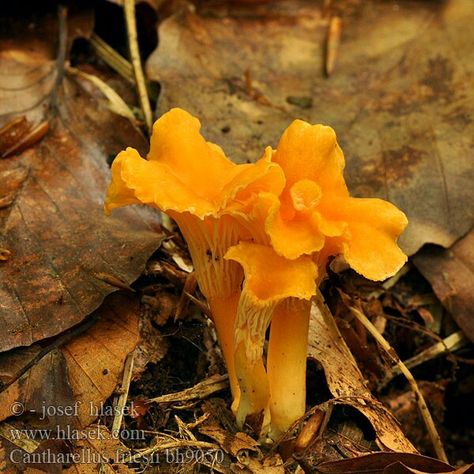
(61, 57)
(189, 287)
(332, 43)
(425, 413)
(18, 437)
(169, 446)
(116, 103)
(119, 408)
(130, 20)
(203, 389)
(115, 60)
(449, 344)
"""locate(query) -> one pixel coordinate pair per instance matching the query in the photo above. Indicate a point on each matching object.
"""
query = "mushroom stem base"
(286, 363)
(224, 311)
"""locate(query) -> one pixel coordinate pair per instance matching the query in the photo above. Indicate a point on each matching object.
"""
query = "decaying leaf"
(244, 450)
(44, 385)
(238, 445)
(451, 273)
(404, 407)
(399, 99)
(95, 359)
(82, 374)
(11, 180)
(346, 383)
(387, 463)
(52, 221)
(269, 465)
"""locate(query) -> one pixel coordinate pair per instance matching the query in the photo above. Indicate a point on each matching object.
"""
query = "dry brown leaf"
(11, 180)
(346, 382)
(245, 450)
(387, 463)
(269, 465)
(80, 375)
(238, 445)
(53, 224)
(400, 98)
(95, 359)
(44, 385)
(451, 273)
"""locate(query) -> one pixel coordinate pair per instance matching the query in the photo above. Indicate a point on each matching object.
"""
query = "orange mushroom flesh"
(270, 280)
(316, 216)
(315, 206)
(200, 188)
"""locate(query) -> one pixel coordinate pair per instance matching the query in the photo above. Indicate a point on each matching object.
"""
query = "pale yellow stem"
(253, 318)
(286, 363)
(224, 311)
(254, 390)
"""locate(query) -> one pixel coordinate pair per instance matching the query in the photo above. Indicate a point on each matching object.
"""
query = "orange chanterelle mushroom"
(201, 189)
(315, 215)
(260, 236)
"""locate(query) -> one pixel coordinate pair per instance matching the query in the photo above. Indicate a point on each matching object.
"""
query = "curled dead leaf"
(346, 382)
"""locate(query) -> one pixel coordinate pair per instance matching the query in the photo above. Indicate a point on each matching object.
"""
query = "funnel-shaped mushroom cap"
(315, 205)
(185, 173)
(269, 279)
(197, 185)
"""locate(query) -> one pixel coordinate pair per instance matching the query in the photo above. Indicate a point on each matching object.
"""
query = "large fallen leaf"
(60, 246)
(451, 273)
(81, 375)
(44, 385)
(96, 358)
(387, 463)
(400, 99)
(346, 382)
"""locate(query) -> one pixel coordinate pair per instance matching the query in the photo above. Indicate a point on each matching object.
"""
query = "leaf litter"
(52, 221)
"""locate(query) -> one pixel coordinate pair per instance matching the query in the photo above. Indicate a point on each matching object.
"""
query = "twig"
(165, 446)
(332, 43)
(451, 343)
(61, 58)
(424, 411)
(201, 305)
(130, 20)
(113, 280)
(201, 390)
(116, 103)
(122, 400)
(184, 431)
(115, 60)
(189, 287)
(18, 437)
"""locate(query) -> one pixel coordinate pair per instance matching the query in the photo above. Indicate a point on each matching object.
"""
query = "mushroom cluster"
(260, 236)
